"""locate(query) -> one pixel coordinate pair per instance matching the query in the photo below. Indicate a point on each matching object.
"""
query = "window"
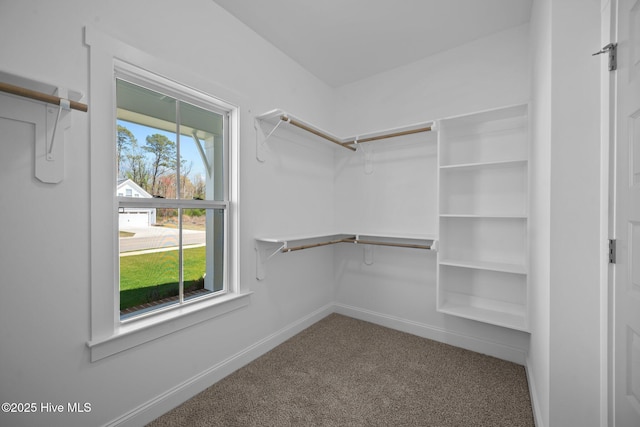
(174, 147)
(197, 183)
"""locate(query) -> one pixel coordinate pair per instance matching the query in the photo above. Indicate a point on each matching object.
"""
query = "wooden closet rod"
(354, 240)
(313, 245)
(349, 144)
(39, 96)
(399, 245)
(388, 135)
(315, 132)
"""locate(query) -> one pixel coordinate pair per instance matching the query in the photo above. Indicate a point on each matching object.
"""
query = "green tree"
(137, 168)
(199, 187)
(125, 142)
(163, 157)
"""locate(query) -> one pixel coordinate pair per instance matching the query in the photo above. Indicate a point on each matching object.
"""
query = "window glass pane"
(140, 105)
(194, 253)
(149, 260)
(146, 140)
(201, 153)
(203, 263)
(171, 149)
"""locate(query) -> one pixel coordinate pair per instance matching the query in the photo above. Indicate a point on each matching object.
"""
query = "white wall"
(538, 358)
(575, 253)
(565, 363)
(45, 318)
(488, 73)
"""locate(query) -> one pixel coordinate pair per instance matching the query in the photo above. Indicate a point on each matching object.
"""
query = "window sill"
(139, 331)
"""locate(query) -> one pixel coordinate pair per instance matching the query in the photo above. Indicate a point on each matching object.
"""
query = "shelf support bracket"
(368, 254)
(65, 104)
(367, 155)
(261, 139)
(262, 256)
(367, 250)
(49, 153)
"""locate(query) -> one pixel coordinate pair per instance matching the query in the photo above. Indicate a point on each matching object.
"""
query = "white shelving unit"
(483, 217)
(483, 208)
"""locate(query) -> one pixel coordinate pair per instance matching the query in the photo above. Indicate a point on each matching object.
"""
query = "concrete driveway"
(159, 237)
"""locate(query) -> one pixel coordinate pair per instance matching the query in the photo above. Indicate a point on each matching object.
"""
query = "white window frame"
(110, 335)
(142, 78)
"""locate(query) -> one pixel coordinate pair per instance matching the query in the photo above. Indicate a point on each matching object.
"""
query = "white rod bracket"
(280, 249)
(261, 138)
(260, 263)
(65, 104)
(262, 256)
(367, 251)
(49, 153)
(368, 254)
(367, 155)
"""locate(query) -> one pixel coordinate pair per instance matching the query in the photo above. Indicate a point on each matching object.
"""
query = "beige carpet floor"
(347, 372)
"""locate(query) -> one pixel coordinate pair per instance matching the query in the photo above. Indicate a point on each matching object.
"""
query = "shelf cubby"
(496, 297)
(484, 240)
(492, 136)
(484, 188)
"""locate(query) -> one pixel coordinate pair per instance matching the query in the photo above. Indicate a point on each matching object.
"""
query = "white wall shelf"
(482, 165)
(269, 123)
(483, 217)
(485, 310)
(498, 135)
(486, 215)
(267, 247)
(490, 296)
(483, 265)
(481, 239)
(484, 188)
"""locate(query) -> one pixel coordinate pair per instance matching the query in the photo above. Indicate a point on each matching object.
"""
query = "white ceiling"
(342, 41)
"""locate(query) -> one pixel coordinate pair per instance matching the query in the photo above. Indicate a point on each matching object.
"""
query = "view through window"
(172, 194)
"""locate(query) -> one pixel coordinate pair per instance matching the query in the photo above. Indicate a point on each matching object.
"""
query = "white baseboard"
(501, 351)
(173, 397)
(535, 404)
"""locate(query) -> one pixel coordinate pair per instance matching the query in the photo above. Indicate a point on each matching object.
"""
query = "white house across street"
(134, 217)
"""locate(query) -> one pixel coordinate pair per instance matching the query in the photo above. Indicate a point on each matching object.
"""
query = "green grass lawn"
(150, 277)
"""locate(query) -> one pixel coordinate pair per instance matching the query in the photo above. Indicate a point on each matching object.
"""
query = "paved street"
(158, 237)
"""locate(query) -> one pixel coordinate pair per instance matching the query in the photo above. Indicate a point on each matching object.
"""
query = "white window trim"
(108, 334)
(181, 94)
